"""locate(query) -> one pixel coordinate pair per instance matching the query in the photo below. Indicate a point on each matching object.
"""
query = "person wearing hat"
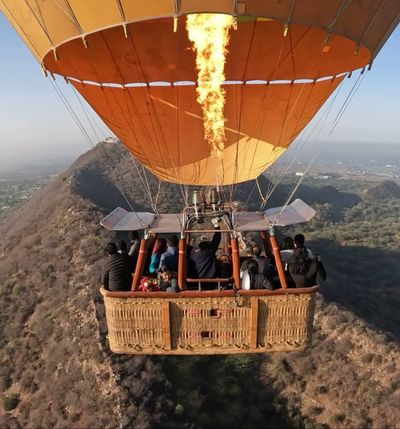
(202, 258)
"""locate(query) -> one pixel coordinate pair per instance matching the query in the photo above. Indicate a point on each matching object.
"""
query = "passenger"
(224, 267)
(299, 240)
(168, 281)
(257, 280)
(286, 249)
(160, 246)
(202, 258)
(122, 247)
(286, 252)
(263, 264)
(134, 247)
(117, 270)
(304, 271)
(170, 257)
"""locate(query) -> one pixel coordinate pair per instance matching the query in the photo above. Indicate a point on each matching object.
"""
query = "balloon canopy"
(135, 65)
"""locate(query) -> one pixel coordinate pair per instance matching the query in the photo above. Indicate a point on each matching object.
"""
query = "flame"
(209, 33)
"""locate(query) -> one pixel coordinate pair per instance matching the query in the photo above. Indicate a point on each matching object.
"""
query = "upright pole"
(235, 261)
(182, 264)
(267, 244)
(140, 264)
(278, 260)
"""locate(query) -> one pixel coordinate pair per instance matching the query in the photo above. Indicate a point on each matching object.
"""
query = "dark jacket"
(203, 263)
(134, 253)
(260, 281)
(169, 259)
(117, 272)
(311, 277)
(264, 267)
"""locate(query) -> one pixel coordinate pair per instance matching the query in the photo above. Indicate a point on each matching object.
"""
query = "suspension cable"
(90, 142)
(300, 145)
(148, 191)
(339, 115)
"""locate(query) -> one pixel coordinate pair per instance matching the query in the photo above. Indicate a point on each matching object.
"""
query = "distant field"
(15, 192)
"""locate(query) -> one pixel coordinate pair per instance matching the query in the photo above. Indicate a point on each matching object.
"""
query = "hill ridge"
(52, 320)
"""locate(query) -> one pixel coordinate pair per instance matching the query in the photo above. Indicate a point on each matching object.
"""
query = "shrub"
(5, 382)
(315, 411)
(367, 358)
(10, 402)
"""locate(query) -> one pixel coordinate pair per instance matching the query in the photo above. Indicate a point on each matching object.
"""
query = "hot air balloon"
(144, 67)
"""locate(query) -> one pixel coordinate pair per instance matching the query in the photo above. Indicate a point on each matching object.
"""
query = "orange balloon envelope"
(134, 64)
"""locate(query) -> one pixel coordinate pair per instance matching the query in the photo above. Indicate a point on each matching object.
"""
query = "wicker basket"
(209, 322)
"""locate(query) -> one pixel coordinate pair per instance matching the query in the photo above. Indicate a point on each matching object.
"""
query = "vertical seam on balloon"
(176, 91)
(141, 120)
(338, 14)
(152, 104)
(71, 18)
(311, 162)
(231, 186)
(121, 10)
(87, 136)
(41, 17)
(128, 120)
(284, 171)
(129, 103)
(385, 37)
(21, 29)
(264, 97)
(291, 12)
(241, 100)
(111, 156)
(40, 25)
(371, 21)
(282, 59)
(74, 17)
(292, 55)
(124, 89)
(278, 62)
(286, 116)
(302, 112)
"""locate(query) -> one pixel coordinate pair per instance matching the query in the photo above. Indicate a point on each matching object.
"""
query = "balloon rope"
(147, 189)
(241, 106)
(143, 181)
(90, 118)
(300, 145)
(339, 115)
(89, 140)
(260, 116)
(276, 179)
(86, 114)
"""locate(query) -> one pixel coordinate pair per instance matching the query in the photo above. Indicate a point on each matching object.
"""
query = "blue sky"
(36, 125)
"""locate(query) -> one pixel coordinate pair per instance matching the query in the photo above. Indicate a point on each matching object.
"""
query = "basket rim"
(209, 293)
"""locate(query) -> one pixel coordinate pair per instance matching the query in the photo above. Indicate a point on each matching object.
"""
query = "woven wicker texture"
(209, 325)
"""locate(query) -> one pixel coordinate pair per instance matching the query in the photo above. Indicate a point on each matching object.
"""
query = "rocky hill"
(56, 370)
(384, 191)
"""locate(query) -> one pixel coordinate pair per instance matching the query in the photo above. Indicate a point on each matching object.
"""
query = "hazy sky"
(35, 124)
